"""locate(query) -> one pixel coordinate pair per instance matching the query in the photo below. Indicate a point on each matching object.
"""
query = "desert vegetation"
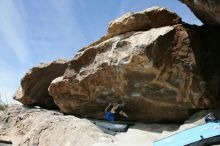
(3, 102)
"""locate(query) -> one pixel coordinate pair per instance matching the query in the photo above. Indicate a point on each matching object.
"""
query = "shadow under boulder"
(34, 85)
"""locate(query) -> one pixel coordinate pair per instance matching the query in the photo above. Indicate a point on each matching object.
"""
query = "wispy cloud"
(65, 11)
(9, 80)
(122, 8)
(55, 29)
(12, 29)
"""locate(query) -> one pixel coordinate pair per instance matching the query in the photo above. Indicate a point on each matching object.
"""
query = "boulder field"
(159, 68)
(156, 66)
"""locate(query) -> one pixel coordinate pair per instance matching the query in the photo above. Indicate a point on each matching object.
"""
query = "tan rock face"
(150, 18)
(35, 83)
(153, 73)
(153, 17)
(208, 11)
(157, 68)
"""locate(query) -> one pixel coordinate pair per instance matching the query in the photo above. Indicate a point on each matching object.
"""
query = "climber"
(210, 117)
(113, 112)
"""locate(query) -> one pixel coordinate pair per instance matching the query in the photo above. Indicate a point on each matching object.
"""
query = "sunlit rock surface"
(35, 83)
(157, 67)
(153, 17)
(25, 126)
(153, 73)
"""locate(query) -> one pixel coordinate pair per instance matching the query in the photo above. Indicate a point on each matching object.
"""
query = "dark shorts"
(110, 116)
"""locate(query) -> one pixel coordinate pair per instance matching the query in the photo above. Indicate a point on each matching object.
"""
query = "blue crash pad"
(111, 127)
(192, 135)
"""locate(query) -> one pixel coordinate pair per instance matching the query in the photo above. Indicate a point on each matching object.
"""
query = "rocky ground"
(157, 67)
(28, 126)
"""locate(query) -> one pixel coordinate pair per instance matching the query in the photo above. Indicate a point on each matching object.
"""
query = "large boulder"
(158, 72)
(35, 83)
(208, 11)
(154, 74)
(39, 127)
(153, 17)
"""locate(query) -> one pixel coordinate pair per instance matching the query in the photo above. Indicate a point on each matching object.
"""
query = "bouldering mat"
(112, 127)
(200, 135)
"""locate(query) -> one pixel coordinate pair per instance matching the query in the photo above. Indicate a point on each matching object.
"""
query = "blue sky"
(35, 31)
